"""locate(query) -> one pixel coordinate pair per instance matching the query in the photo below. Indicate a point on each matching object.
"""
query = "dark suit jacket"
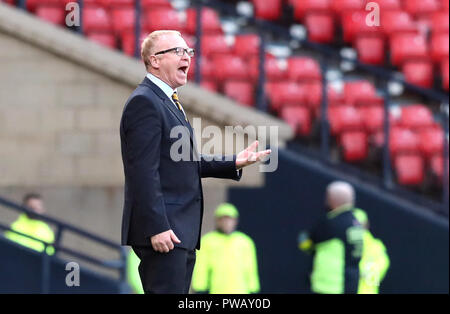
(162, 194)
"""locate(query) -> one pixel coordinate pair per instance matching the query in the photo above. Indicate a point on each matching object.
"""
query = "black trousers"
(165, 273)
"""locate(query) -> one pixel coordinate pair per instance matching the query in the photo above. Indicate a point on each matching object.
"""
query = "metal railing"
(118, 265)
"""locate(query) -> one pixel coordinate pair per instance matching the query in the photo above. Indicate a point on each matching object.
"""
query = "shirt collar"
(162, 85)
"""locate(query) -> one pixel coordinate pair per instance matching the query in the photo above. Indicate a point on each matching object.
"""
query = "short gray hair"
(341, 193)
(150, 41)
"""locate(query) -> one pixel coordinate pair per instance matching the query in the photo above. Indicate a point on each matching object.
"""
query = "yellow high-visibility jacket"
(226, 264)
(134, 280)
(35, 228)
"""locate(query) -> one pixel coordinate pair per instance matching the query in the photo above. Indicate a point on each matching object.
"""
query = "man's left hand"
(249, 156)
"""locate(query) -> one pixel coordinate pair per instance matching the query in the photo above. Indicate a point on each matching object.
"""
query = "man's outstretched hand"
(249, 156)
(163, 242)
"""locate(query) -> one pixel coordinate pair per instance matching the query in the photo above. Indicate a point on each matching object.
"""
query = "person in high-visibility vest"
(133, 273)
(337, 244)
(226, 262)
(375, 260)
(31, 225)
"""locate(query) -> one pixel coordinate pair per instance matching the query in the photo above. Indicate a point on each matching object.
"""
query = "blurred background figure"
(226, 262)
(133, 273)
(30, 224)
(336, 242)
(375, 260)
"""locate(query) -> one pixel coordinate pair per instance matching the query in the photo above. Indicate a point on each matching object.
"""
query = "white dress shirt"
(165, 88)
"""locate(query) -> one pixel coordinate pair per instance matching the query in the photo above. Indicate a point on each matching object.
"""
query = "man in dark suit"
(163, 205)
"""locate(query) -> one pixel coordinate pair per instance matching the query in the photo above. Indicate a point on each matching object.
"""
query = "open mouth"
(183, 69)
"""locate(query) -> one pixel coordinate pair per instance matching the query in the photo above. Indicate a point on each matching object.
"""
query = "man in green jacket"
(31, 225)
(374, 262)
(226, 262)
(337, 244)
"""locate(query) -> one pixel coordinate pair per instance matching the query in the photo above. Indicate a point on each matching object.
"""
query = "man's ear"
(154, 62)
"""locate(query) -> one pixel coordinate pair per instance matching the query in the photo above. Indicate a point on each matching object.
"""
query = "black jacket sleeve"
(220, 167)
(143, 131)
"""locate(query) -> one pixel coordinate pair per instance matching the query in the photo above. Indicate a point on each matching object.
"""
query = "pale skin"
(173, 69)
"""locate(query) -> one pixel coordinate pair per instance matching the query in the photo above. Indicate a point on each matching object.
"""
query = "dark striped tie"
(177, 102)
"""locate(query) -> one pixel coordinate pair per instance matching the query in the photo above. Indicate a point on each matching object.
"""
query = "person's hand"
(249, 156)
(163, 242)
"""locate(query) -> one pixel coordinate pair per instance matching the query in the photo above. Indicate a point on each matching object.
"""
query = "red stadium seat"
(123, 19)
(437, 167)
(164, 19)
(285, 93)
(393, 22)
(344, 118)
(445, 74)
(409, 169)
(102, 38)
(229, 67)
(371, 49)
(273, 70)
(242, 92)
(247, 45)
(206, 68)
(320, 27)
(440, 22)
(419, 73)
(356, 91)
(314, 96)
(155, 4)
(421, 7)
(267, 10)
(431, 141)
(52, 14)
(10, 2)
(128, 42)
(408, 47)
(373, 118)
(416, 117)
(340, 6)
(214, 45)
(120, 3)
(355, 146)
(403, 141)
(439, 47)
(303, 69)
(354, 24)
(299, 118)
(210, 85)
(388, 5)
(444, 5)
(96, 19)
(301, 7)
(210, 21)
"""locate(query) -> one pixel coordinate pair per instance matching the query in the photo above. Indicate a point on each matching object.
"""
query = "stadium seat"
(421, 7)
(163, 19)
(301, 7)
(355, 146)
(320, 27)
(356, 91)
(123, 19)
(419, 73)
(373, 118)
(371, 49)
(440, 22)
(402, 141)
(299, 118)
(247, 45)
(409, 169)
(354, 23)
(210, 85)
(128, 42)
(120, 3)
(444, 5)
(206, 68)
(102, 38)
(416, 117)
(344, 118)
(285, 93)
(50, 13)
(214, 45)
(303, 69)
(274, 72)
(341, 6)
(10, 2)
(229, 67)
(408, 47)
(267, 10)
(394, 22)
(155, 4)
(314, 96)
(96, 19)
(437, 167)
(242, 92)
(210, 21)
(388, 5)
(439, 47)
(445, 74)
(431, 141)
